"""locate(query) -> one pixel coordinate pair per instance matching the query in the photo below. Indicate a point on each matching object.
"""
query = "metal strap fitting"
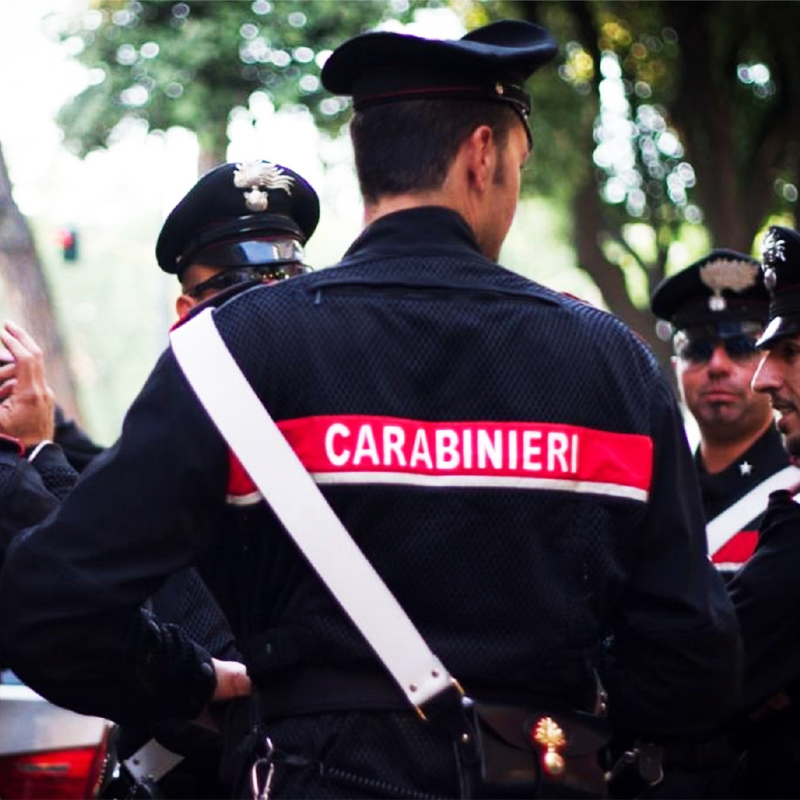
(262, 772)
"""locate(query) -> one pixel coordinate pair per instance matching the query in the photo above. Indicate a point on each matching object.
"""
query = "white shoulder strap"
(720, 529)
(297, 501)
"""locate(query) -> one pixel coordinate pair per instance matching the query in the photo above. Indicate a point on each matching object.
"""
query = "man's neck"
(401, 202)
(719, 455)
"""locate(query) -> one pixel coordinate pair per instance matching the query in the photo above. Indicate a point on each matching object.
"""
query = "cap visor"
(778, 328)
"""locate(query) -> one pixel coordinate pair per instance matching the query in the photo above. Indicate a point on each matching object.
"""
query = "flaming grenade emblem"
(549, 734)
(772, 248)
(725, 273)
(257, 176)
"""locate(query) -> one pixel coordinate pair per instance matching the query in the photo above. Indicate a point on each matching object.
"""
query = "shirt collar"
(428, 229)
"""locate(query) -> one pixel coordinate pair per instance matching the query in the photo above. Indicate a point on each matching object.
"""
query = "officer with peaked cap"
(239, 225)
(510, 461)
(241, 222)
(717, 308)
(765, 591)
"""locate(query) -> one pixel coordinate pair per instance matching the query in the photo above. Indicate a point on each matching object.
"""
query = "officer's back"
(509, 459)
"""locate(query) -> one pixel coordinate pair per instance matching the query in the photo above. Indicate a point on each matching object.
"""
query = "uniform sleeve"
(24, 498)
(675, 656)
(57, 474)
(71, 590)
(766, 595)
(78, 448)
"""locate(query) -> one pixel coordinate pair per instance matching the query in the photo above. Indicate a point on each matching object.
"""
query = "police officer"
(717, 307)
(218, 240)
(241, 224)
(511, 461)
(765, 590)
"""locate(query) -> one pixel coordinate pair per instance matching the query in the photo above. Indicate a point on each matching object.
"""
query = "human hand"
(232, 680)
(27, 403)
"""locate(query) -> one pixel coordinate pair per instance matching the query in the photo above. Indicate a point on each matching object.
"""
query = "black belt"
(323, 690)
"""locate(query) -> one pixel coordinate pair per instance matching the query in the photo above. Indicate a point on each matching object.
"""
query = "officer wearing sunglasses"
(717, 308)
(240, 224)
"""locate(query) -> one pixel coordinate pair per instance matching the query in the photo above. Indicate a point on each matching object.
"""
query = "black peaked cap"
(723, 286)
(780, 254)
(239, 203)
(491, 62)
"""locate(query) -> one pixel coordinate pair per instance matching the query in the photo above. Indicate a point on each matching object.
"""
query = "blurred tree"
(683, 125)
(672, 122)
(190, 63)
(26, 296)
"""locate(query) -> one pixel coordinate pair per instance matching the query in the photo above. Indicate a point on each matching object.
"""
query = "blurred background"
(662, 129)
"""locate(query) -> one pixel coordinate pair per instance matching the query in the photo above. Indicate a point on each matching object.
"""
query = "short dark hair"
(409, 146)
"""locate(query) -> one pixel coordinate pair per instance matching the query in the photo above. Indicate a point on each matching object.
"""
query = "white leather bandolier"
(721, 529)
(286, 485)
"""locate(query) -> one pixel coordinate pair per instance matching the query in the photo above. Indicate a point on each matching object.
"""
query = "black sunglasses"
(266, 273)
(699, 350)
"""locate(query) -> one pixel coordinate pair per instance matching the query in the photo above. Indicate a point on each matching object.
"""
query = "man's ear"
(481, 152)
(183, 305)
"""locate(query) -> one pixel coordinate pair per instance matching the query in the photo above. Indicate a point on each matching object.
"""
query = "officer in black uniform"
(765, 591)
(242, 224)
(717, 308)
(510, 460)
(218, 240)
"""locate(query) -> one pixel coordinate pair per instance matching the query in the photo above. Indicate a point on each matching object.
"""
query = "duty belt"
(324, 690)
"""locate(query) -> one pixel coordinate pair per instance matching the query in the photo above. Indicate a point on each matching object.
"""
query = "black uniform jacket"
(764, 458)
(30, 491)
(766, 595)
(511, 460)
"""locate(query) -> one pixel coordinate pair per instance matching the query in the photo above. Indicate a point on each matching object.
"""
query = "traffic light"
(68, 238)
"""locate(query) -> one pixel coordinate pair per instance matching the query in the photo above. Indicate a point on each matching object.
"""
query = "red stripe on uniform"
(481, 453)
(241, 489)
(737, 549)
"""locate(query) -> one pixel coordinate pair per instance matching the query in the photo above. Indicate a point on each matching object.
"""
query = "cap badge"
(772, 248)
(725, 273)
(255, 176)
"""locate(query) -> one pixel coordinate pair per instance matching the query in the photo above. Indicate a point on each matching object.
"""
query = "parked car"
(47, 751)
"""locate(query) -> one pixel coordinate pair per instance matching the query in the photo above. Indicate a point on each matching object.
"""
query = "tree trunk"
(27, 296)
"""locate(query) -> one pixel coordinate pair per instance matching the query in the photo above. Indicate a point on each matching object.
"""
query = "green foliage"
(190, 63)
(654, 115)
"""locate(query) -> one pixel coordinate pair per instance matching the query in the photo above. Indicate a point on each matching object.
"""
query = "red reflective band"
(737, 549)
(241, 489)
(367, 449)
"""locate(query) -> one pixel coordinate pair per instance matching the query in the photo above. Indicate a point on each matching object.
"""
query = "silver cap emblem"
(730, 274)
(255, 177)
(772, 248)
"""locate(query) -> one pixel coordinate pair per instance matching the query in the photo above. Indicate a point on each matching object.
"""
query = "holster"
(533, 752)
